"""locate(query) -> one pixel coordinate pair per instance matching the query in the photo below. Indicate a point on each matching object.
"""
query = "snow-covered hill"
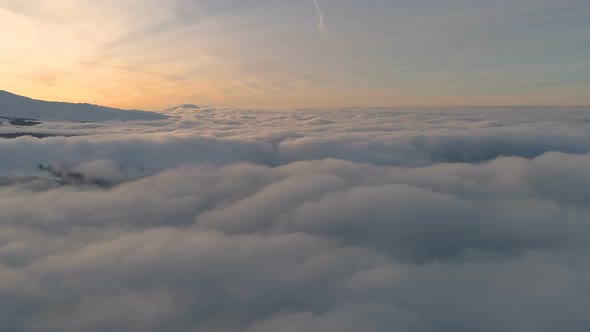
(15, 106)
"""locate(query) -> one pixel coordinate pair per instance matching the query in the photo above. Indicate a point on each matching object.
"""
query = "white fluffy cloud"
(352, 220)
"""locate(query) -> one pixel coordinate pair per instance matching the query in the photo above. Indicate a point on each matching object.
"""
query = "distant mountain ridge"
(15, 106)
(183, 108)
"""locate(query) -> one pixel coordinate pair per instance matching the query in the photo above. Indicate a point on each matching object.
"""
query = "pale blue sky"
(274, 53)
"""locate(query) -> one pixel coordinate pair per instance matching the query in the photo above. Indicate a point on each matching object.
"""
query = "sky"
(153, 54)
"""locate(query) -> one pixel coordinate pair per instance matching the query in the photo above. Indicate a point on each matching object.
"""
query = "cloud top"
(343, 220)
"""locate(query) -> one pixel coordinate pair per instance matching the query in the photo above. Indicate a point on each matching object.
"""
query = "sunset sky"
(153, 54)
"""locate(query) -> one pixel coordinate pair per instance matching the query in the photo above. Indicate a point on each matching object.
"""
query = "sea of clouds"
(257, 221)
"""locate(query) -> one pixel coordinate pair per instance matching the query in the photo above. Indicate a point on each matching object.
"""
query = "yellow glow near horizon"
(152, 54)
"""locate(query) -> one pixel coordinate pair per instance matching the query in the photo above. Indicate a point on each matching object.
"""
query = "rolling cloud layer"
(349, 220)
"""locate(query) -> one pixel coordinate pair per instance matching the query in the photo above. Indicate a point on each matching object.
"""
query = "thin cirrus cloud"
(320, 14)
(151, 54)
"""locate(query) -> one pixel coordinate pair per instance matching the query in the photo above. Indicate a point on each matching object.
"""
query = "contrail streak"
(321, 25)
